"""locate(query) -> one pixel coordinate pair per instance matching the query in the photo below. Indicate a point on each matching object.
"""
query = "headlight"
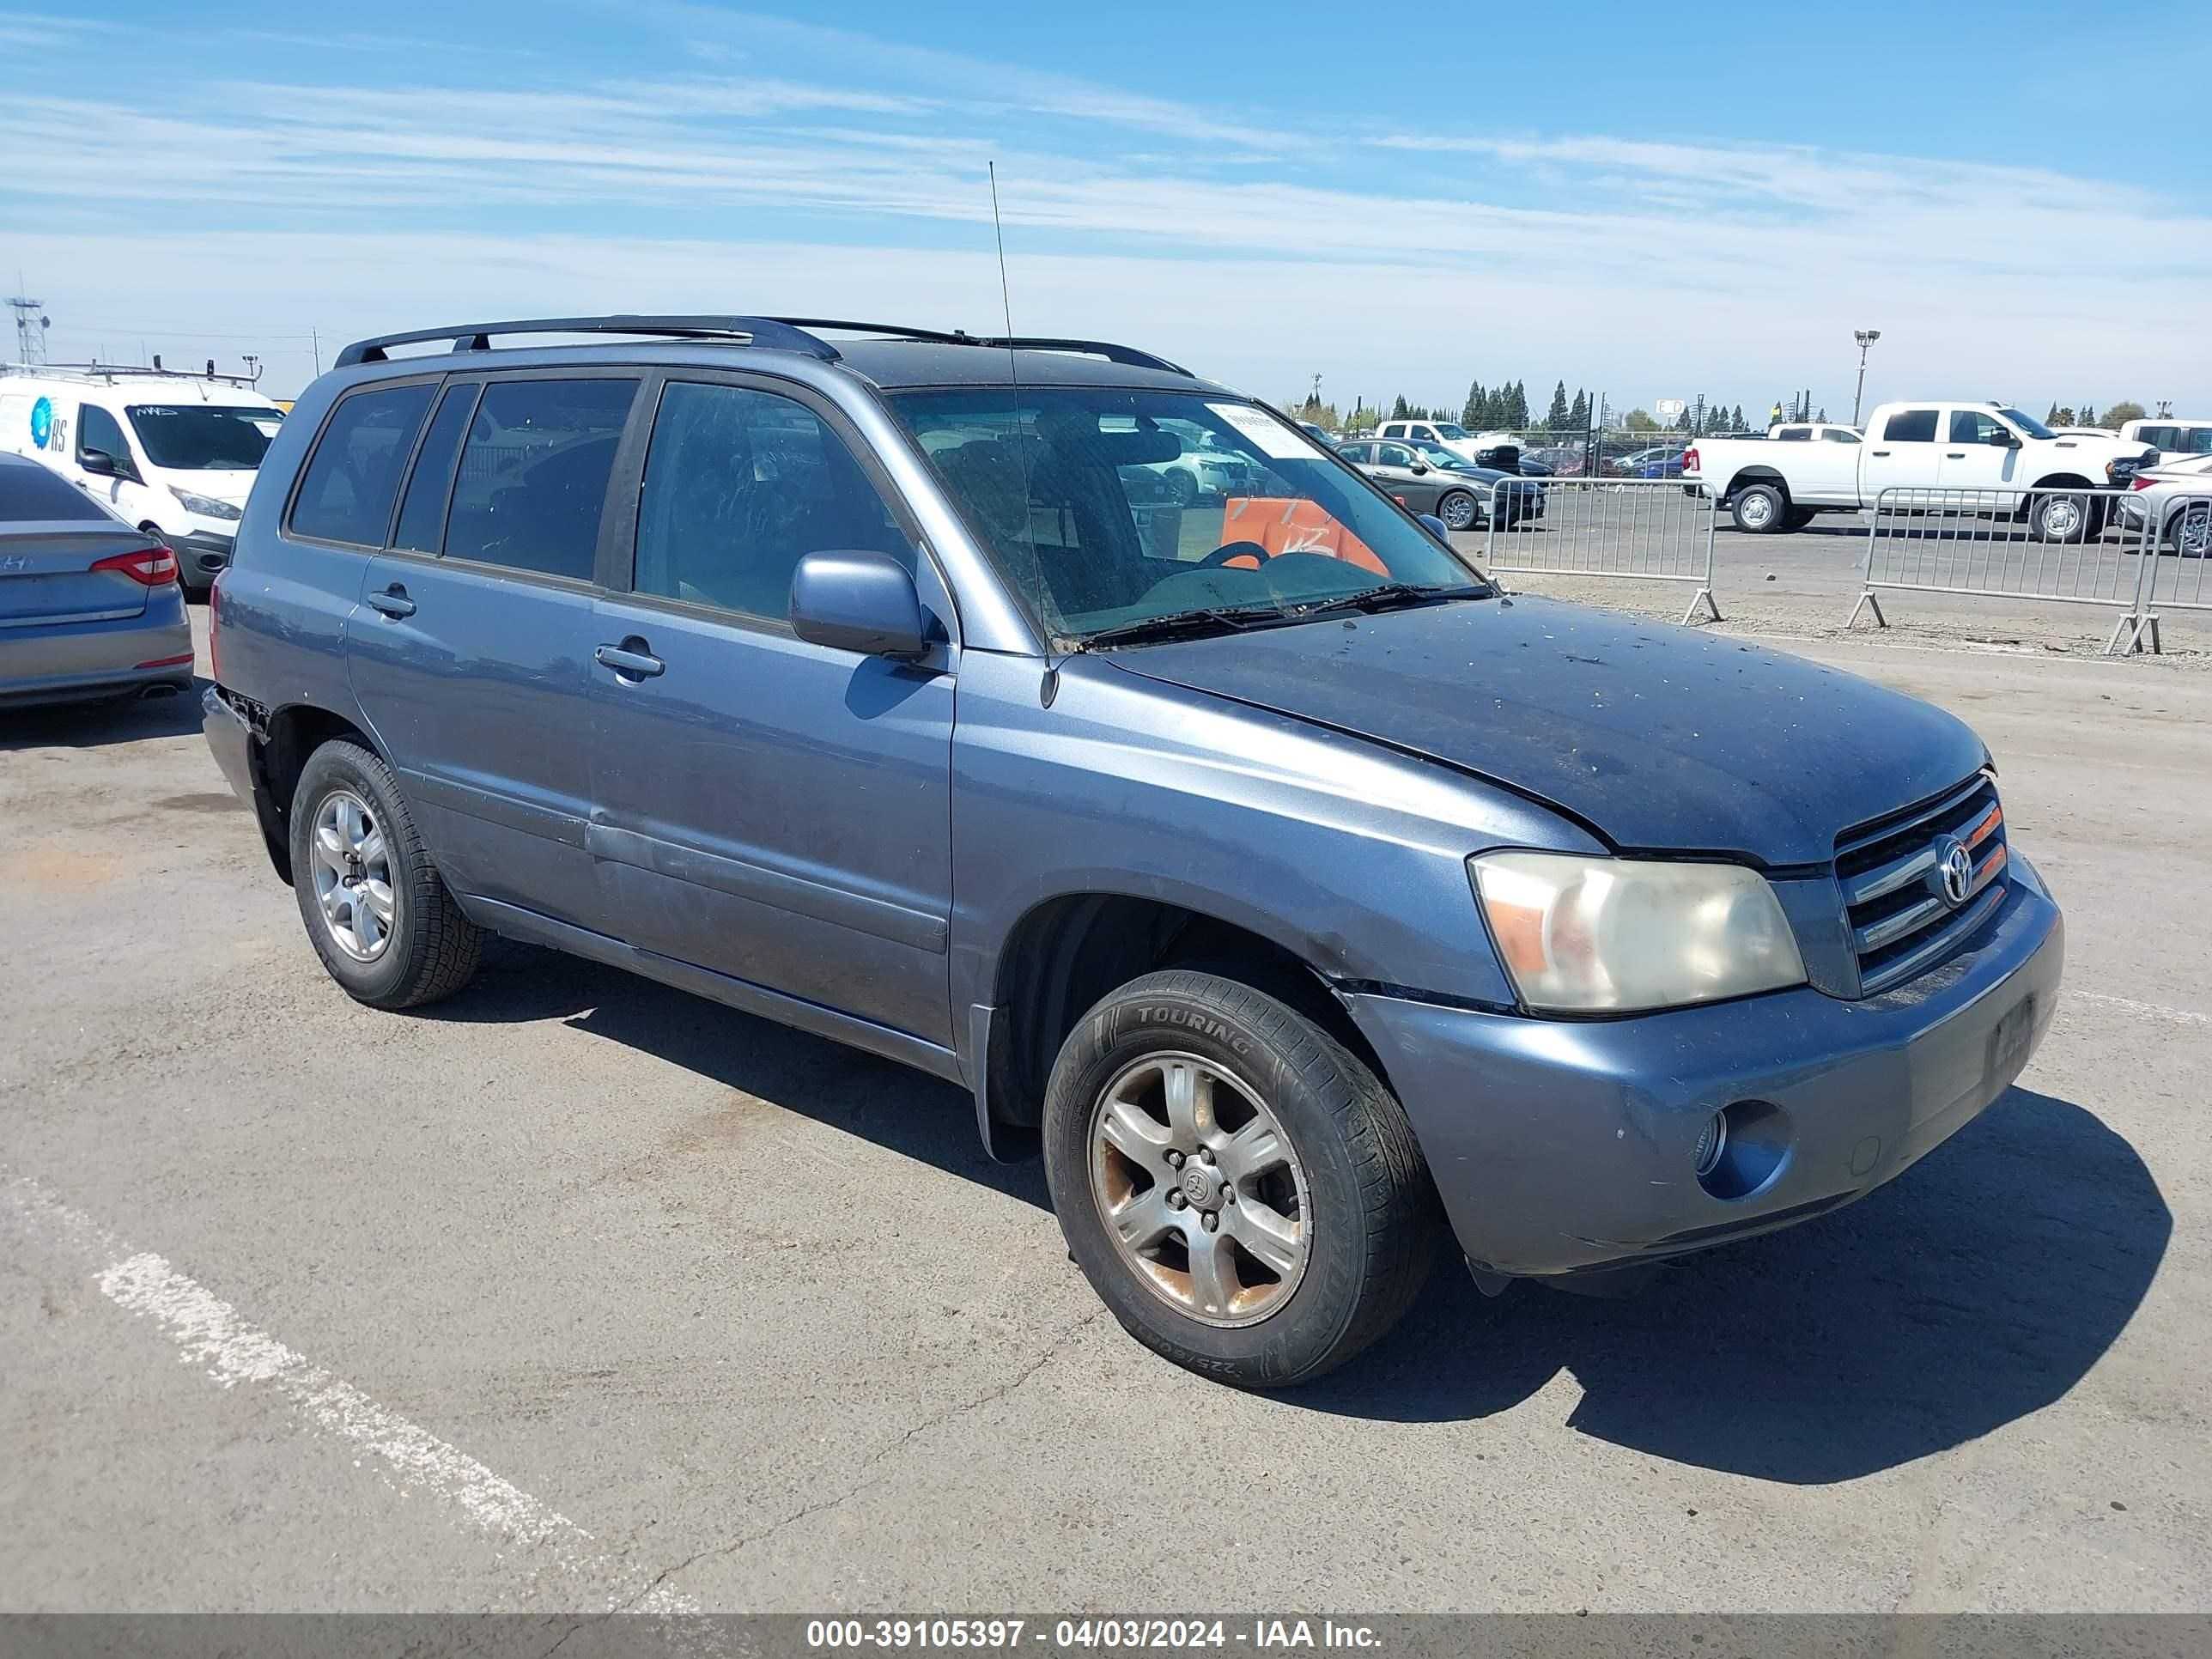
(1597, 935)
(206, 506)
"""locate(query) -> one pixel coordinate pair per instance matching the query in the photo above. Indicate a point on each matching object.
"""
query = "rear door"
(774, 810)
(468, 655)
(1904, 455)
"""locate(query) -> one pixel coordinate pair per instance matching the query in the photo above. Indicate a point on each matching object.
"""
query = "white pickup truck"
(1780, 481)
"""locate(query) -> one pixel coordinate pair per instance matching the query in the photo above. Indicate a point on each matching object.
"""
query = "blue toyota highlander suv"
(1297, 893)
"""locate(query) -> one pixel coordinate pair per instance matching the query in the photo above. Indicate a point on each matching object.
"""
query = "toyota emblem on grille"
(1955, 868)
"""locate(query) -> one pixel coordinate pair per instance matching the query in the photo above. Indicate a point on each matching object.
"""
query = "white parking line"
(2148, 1009)
(233, 1352)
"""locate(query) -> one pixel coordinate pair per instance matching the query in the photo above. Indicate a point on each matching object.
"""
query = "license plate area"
(2009, 1039)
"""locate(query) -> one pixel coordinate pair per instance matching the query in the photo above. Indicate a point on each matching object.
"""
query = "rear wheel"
(1798, 517)
(1759, 509)
(2189, 532)
(1456, 509)
(1242, 1193)
(376, 911)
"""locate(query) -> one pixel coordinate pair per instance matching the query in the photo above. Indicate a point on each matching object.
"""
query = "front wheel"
(2189, 532)
(1759, 509)
(2064, 519)
(376, 911)
(1240, 1189)
(1456, 509)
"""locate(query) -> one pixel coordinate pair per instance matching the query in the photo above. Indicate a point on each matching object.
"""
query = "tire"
(427, 949)
(1759, 509)
(2064, 518)
(1798, 519)
(2189, 532)
(1457, 509)
(1351, 1180)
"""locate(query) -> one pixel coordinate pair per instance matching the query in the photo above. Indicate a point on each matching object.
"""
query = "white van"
(2171, 436)
(174, 454)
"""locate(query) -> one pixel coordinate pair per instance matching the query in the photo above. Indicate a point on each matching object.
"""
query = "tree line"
(1506, 408)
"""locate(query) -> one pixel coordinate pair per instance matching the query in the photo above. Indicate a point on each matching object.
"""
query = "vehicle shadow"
(1978, 1288)
(1975, 1290)
(909, 1112)
(95, 725)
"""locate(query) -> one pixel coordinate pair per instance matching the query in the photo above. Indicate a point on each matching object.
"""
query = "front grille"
(1891, 871)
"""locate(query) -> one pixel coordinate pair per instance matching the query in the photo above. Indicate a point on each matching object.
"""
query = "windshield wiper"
(1178, 624)
(1393, 596)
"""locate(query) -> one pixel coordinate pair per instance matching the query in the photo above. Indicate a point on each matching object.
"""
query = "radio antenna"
(1051, 686)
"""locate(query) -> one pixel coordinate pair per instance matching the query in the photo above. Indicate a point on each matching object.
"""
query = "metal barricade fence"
(1653, 530)
(2062, 544)
(2180, 578)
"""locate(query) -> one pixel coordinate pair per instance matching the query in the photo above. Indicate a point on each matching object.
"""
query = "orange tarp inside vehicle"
(1285, 525)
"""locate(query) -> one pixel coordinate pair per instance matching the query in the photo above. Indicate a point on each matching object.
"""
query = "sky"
(1647, 200)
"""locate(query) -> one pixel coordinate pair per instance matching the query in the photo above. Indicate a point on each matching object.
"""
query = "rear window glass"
(350, 485)
(31, 495)
(533, 479)
(1912, 426)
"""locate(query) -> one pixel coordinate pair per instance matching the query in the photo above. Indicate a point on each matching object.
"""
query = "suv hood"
(1659, 737)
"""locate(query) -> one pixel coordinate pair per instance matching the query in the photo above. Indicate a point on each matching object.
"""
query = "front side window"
(533, 476)
(204, 437)
(2196, 440)
(739, 486)
(1971, 426)
(97, 430)
(1910, 426)
(1051, 489)
(351, 481)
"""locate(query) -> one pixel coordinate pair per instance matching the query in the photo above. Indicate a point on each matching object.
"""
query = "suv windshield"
(1107, 508)
(2027, 423)
(204, 437)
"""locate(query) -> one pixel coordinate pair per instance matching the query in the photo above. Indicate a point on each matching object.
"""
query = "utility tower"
(31, 324)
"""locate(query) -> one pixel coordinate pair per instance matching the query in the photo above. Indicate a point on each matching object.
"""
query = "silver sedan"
(89, 607)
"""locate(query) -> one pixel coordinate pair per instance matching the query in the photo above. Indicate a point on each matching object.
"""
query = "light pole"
(1865, 336)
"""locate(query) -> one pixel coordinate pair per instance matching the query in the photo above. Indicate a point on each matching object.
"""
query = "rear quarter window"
(353, 477)
(29, 494)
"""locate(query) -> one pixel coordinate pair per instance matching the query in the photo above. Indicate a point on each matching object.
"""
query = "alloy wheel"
(353, 875)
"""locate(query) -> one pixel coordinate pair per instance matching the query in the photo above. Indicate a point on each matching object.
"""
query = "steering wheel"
(1222, 554)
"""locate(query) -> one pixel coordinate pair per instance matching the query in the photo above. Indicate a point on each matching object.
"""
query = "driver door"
(1418, 492)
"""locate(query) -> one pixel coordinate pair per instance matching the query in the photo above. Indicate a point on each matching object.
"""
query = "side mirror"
(99, 461)
(1436, 527)
(858, 601)
(2005, 438)
(1419, 468)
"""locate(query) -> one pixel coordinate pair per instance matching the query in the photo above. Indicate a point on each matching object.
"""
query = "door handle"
(1882, 452)
(393, 602)
(630, 659)
(1954, 455)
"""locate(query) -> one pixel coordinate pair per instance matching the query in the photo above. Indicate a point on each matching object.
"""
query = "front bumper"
(201, 555)
(1563, 1145)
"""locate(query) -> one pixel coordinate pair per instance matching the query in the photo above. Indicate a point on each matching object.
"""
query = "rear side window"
(1794, 434)
(31, 495)
(354, 475)
(423, 513)
(533, 478)
(1912, 426)
(739, 486)
(2159, 437)
(1836, 435)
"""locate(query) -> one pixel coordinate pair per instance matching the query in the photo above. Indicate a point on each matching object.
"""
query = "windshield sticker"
(1276, 441)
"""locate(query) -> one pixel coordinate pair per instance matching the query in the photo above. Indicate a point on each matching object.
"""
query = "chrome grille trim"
(1899, 925)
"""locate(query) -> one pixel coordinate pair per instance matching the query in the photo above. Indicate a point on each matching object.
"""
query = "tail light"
(214, 633)
(150, 567)
(2142, 482)
(1690, 460)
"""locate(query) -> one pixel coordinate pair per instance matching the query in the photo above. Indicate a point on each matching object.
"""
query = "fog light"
(1710, 1144)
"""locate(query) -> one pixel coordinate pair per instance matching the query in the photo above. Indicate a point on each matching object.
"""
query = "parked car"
(2176, 496)
(172, 453)
(1649, 463)
(1203, 469)
(2171, 436)
(1500, 450)
(1975, 449)
(1319, 435)
(1295, 899)
(1429, 478)
(89, 607)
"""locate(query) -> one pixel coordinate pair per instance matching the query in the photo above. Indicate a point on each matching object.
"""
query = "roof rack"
(97, 370)
(1128, 356)
(476, 337)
